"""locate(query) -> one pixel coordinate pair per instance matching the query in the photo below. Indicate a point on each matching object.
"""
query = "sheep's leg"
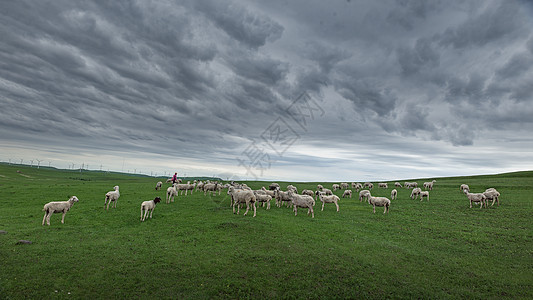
(374, 206)
(336, 204)
(470, 203)
(312, 212)
(323, 206)
(295, 210)
(234, 206)
(44, 218)
(268, 205)
(63, 217)
(247, 208)
(255, 210)
(48, 218)
(151, 212)
(141, 214)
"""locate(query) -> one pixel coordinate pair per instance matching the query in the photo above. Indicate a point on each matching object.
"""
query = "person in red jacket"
(174, 178)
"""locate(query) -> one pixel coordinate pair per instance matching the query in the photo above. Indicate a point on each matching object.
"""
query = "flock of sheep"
(241, 194)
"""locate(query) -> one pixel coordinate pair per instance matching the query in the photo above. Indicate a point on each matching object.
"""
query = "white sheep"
(368, 185)
(211, 188)
(347, 193)
(364, 194)
(263, 198)
(397, 184)
(424, 194)
(335, 186)
(308, 192)
(148, 206)
(281, 197)
(358, 187)
(344, 186)
(112, 196)
(464, 187)
(379, 201)
(158, 185)
(303, 201)
(415, 192)
(171, 193)
(271, 193)
(239, 196)
(429, 185)
(476, 198)
(394, 194)
(492, 194)
(273, 186)
(328, 199)
(319, 187)
(58, 207)
(382, 185)
(291, 187)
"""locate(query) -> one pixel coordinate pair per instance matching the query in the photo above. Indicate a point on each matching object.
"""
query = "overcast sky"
(272, 90)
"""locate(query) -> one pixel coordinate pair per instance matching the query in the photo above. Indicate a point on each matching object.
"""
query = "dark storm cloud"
(205, 78)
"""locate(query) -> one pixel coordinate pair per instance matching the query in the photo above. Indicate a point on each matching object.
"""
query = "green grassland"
(197, 248)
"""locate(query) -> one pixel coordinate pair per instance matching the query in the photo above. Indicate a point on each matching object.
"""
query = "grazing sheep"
(239, 196)
(347, 193)
(171, 193)
(476, 198)
(393, 194)
(464, 187)
(263, 198)
(327, 192)
(364, 194)
(273, 186)
(379, 201)
(303, 201)
(410, 185)
(190, 187)
(492, 194)
(397, 184)
(308, 192)
(358, 187)
(328, 199)
(148, 206)
(429, 185)
(319, 187)
(344, 186)
(335, 187)
(182, 187)
(158, 185)
(368, 185)
(112, 196)
(211, 188)
(281, 197)
(291, 187)
(415, 193)
(199, 186)
(382, 185)
(424, 194)
(58, 207)
(269, 192)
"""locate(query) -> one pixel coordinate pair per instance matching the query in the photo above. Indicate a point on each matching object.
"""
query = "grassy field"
(197, 248)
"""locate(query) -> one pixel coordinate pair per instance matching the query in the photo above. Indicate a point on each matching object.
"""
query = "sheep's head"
(116, 187)
(74, 199)
(157, 200)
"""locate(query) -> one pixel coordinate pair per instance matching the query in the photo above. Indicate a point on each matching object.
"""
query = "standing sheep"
(58, 207)
(158, 185)
(368, 185)
(492, 194)
(328, 199)
(476, 198)
(364, 194)
(415, 192)
(397, 184)
(464, 187)
(379, 201)
(171, 193)
(429, 185)
(148, 206)
(393, 194)
(382, 185)
(347, 193)
(112, 196)
(344, 186)
(263, 198)
(239, 196)
(424, 194)
(335, 187)
(303, 201)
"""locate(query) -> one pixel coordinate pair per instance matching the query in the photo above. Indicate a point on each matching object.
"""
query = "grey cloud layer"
(189, 76)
